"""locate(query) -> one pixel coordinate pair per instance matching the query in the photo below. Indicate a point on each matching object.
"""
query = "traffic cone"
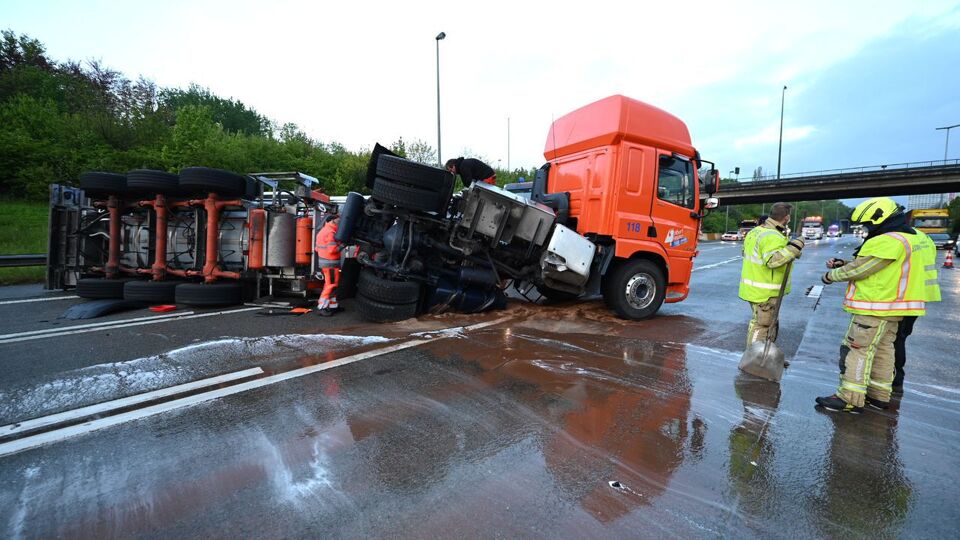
(948, 262)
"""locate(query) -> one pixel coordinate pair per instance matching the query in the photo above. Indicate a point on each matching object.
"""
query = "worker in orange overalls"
(328, 261)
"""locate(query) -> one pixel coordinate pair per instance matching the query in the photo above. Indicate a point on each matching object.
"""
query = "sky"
(867, 82)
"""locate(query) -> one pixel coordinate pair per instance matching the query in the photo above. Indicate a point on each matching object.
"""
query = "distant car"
(942, 240)
(732, 236)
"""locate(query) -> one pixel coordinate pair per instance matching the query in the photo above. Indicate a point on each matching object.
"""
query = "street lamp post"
(783, 97)
(440, 36)
(946, 145)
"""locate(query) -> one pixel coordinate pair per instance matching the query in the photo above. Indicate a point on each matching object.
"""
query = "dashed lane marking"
(714, 265)
(113, 325)
(116, 404)
(48, 299)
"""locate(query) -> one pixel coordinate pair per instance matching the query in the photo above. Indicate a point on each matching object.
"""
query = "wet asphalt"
(559, 421)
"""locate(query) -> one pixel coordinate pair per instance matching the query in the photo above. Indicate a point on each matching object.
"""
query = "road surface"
(536, 421)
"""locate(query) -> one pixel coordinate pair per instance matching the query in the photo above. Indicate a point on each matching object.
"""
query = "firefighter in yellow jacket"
(886, 283)
(766, 252)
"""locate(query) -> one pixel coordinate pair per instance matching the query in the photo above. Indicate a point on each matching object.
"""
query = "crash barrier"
(13, 261)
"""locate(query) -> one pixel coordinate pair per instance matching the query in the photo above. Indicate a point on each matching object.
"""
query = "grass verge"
(23, 230)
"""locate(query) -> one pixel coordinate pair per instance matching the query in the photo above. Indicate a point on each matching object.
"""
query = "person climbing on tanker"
(472, 170)
(328, 261)
(887, 282)
(766, 252)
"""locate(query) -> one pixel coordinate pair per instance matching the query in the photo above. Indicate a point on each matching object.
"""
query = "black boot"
(837, 404)
(877, 404)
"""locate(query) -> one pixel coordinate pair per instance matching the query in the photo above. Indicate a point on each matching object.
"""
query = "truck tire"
(634, 289)
(99, 288)
(205, 180)
(380, 312)
(387, 291)
(349, 276)
(157, 292)
(102, 184)
(416, 174)
(209, 294)
(554, 295)
(150, 181)
(404, 196)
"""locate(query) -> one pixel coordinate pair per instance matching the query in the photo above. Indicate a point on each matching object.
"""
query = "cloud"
(771, 135)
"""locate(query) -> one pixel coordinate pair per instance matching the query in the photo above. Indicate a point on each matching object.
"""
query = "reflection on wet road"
(562, 422)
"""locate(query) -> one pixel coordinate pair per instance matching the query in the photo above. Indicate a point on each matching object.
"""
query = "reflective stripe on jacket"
(899, 288)
(758, 281)
(326, 246)
(931, 274)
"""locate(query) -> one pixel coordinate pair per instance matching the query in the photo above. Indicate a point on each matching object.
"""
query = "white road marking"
(26, 300)
(737, 258)
(815, 291)
(49, 437)
(107, 406)
(118, 324)
(90, 325)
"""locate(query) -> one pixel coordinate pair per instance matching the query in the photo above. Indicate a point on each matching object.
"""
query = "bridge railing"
(891, 167)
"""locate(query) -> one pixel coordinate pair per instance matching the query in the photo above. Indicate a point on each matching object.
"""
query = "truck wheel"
(403, 196)
(386, 291)
(205, 179)
(209, 294)
(416, 174)
(102, 184)
(149, 181)
(553, 295)
(99, 288)
(634, 289)
(374, 311)
(158, 292)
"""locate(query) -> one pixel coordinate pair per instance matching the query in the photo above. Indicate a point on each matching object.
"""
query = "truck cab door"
(673, 209)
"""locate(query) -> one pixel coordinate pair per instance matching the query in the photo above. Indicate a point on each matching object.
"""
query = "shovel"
(763, 358)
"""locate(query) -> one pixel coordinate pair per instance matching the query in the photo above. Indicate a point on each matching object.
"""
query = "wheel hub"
(640, 291)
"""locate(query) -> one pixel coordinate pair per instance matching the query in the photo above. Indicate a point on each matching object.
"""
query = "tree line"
(62, 118)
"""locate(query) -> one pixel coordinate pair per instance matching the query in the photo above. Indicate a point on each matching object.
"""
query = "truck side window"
(675, 181)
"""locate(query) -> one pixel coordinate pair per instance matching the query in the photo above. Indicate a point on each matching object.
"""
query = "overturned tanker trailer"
(616, 210)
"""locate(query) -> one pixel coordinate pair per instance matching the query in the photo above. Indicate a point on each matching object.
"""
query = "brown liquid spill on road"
(611, 403)
(605, 399)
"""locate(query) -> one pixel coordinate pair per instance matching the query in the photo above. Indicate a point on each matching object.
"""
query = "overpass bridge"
(873, 181)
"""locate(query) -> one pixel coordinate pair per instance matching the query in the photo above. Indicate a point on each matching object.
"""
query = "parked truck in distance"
(746, 226)
(931, 220)
(616, 210)
(812, 228)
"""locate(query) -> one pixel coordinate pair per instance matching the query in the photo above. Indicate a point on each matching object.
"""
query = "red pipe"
(160, 254)
(211, 270)
(113, 260)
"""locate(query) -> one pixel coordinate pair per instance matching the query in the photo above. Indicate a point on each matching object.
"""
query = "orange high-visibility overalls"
(328, 260)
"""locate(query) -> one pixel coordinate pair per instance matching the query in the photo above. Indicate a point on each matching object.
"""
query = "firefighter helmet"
(875, 211)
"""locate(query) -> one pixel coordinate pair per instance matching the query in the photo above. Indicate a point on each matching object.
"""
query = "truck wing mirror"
(711, 203)
(713, 183)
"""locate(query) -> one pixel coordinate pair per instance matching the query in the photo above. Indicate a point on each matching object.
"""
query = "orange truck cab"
(631, 178)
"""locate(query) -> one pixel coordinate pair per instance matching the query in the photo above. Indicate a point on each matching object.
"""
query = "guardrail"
(12, 261)
(888, 168)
